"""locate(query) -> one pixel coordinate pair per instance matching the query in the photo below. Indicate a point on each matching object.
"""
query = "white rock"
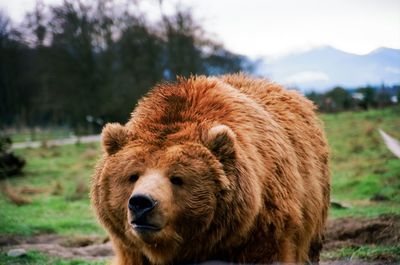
(16, 252)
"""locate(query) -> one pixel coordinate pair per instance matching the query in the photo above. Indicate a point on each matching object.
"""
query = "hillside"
(325, 67)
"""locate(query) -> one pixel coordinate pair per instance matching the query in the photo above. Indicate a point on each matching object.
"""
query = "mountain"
(325, 67)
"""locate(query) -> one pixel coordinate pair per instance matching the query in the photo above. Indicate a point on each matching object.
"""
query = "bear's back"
(296, 116)
(293, 112)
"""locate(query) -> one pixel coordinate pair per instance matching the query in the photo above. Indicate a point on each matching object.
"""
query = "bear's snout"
(141, 204)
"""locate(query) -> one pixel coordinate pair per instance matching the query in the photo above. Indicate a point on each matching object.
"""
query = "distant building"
(357, 96)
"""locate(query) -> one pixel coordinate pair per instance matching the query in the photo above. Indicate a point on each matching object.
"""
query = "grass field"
(53, 192)
(34, 257)
(362, 166)
(25, 135)
(56, 183)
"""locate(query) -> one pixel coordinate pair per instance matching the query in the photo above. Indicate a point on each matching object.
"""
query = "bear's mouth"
(143, 226)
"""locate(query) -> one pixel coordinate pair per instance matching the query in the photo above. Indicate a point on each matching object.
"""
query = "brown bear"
(231, 169)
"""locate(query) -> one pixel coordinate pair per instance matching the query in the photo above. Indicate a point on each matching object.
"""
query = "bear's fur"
(238, 168)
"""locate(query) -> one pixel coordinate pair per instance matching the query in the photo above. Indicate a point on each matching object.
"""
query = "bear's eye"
(134, 178)
(176, 181)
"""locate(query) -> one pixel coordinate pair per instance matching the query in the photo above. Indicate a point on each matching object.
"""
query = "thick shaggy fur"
(253, 161)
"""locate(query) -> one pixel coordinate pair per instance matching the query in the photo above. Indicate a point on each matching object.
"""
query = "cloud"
(393, 70)
(307, 77)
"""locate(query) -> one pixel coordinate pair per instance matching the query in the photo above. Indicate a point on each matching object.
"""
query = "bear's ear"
(220, 140)
(114, 137)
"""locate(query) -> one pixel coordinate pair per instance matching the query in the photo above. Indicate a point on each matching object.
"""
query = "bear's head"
(168, 200)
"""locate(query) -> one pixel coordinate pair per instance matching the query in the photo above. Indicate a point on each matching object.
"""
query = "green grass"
(361, 164)
(51, 215)
(63, 207)
(370, 210)
(36, 258)
(39, 134)
(389, 254)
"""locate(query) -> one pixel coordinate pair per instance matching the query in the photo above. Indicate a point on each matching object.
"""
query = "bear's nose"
(141, 204)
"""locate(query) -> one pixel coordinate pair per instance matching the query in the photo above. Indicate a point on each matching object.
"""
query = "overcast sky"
(276, 27)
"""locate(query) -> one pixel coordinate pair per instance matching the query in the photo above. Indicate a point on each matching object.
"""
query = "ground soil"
(343, 232)
(354, 232)
(83, 247)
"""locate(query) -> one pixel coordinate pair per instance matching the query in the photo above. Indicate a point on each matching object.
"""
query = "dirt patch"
(354, 232)
(82, 247)
(356, 262)
(344, 232)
